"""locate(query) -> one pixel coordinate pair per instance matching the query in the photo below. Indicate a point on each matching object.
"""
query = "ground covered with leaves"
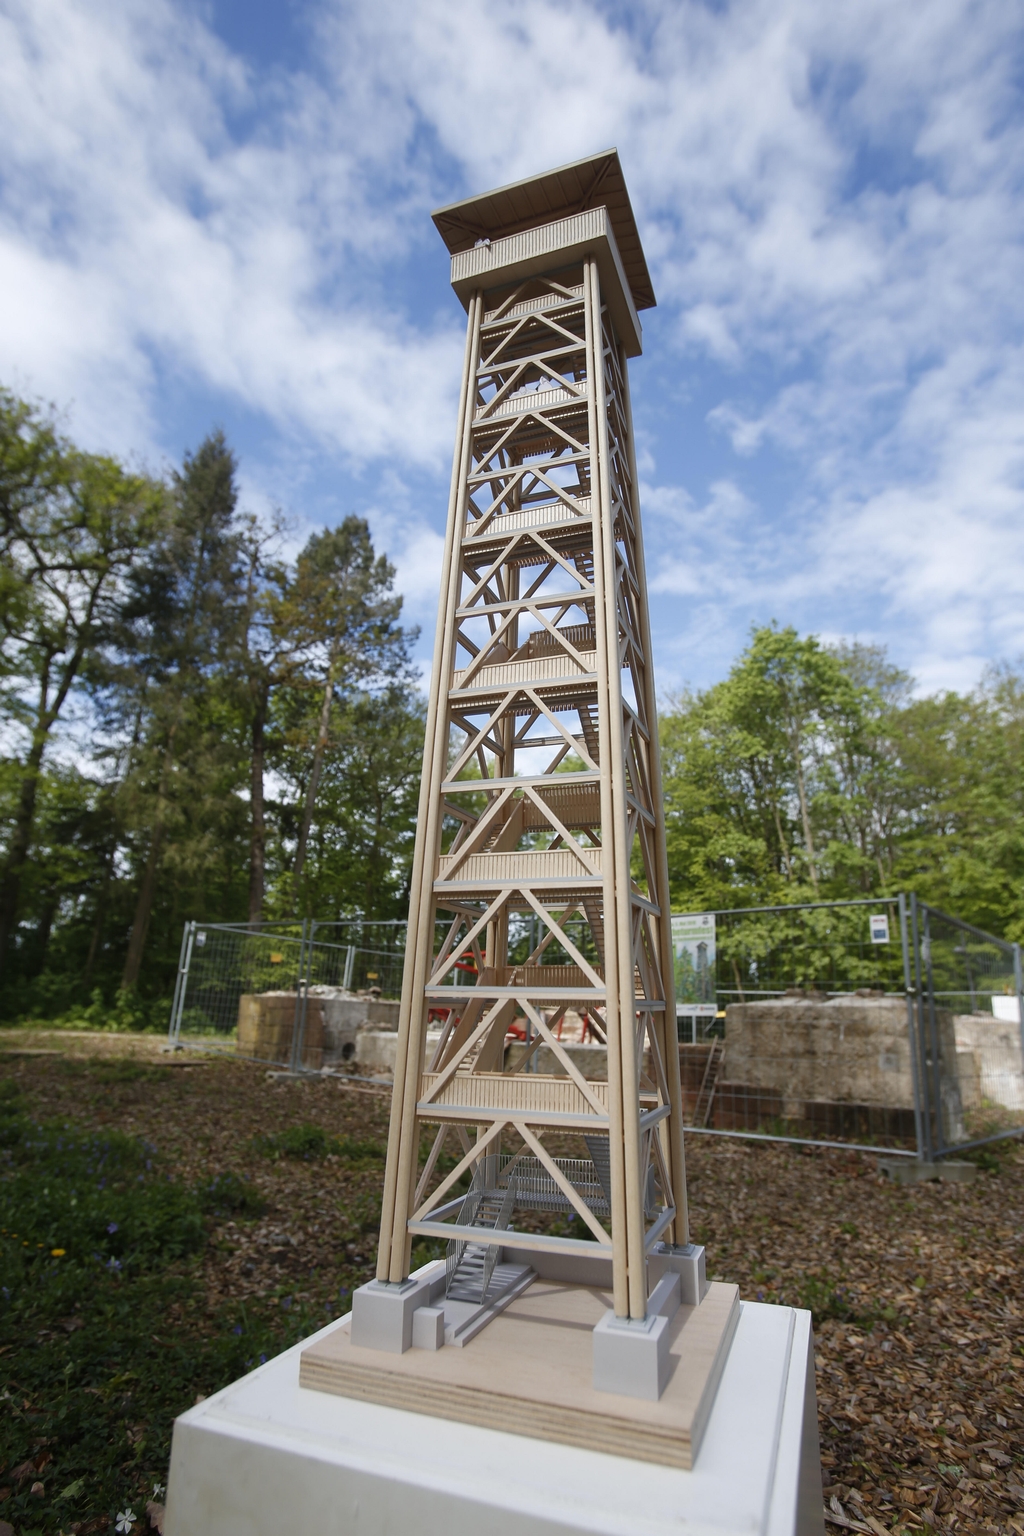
(166, 1223)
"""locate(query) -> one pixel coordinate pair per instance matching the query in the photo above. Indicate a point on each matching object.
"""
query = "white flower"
(125, 1520)
(158, 1489)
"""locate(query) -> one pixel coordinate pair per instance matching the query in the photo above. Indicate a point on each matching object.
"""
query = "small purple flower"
(111, 1226)
(237, 1328)
(114, 1264)
(263, 1359)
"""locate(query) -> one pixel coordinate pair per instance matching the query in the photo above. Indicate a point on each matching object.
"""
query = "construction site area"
(878, 1023)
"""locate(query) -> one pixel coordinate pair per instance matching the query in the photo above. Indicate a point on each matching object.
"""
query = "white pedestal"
(265, 1457)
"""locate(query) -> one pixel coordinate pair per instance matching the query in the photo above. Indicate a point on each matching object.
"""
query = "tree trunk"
(804, 813)
(314, 776)
(43, 930)
(143, 911)
(147, 890)
(21, 839)
(258, 834)
(96, 937)
(782, 843)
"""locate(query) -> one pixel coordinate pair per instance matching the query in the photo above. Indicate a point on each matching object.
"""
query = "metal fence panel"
(813, 1038)
(221, 963)
(878, 1022)
(969, 1007)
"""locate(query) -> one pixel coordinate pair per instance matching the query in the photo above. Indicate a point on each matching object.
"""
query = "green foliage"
(360, 849)
(101, 1346)
(308, 1142)
(99, 1199)
(811, 773)
(228, 1195)
(210, 667)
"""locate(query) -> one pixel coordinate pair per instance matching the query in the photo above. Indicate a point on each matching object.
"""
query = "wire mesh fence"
(292, 995)
(970, 1026)
(875, 1022)
(810, 1032)
(220, 964)
(872, 1022)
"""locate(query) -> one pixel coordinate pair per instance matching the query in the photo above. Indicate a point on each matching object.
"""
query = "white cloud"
(830, 201)
(138, 235)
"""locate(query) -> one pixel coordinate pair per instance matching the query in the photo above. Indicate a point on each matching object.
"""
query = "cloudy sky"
(219, 214)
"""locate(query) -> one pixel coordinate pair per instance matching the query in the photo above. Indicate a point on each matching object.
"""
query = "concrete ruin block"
(809, 1053)
(592, 1060)
(266, 1027)
(376, 1050)
(989, 1052)
(845, 1049)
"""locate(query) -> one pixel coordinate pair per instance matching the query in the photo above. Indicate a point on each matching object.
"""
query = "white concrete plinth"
(265, 1457)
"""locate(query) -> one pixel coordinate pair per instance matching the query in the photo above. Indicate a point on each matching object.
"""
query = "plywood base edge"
(469, 1388)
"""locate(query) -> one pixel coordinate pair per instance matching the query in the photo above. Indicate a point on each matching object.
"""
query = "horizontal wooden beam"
(473, 1114)
(507, 1238)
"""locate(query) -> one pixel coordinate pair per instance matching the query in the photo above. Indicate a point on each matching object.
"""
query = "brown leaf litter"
(916, 1289)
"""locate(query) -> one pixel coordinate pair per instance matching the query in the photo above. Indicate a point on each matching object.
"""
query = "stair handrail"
(465, 1217)
(501, 1225)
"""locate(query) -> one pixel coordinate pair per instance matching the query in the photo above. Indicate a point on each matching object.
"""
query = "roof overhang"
(596, 182)
(548, 249)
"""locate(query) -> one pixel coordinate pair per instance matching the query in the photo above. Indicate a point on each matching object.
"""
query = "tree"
(747, 768)
(793, 691)
(180, 630)
(269, 659)
(359, 853)
(73, 526)
(206, 669)
(813, 771)
(961, 844)
(342, 612)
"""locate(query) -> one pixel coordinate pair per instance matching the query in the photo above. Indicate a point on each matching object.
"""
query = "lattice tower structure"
(540, 874)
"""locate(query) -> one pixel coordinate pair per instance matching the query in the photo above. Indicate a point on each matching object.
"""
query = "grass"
(98, 1251)
(309, 1142)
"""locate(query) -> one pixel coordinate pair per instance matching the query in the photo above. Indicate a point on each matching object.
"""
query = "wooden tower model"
(539, 903)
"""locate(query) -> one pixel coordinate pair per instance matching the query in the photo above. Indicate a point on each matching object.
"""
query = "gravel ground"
(916, 1291)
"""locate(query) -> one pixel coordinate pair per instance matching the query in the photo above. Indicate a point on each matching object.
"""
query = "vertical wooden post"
(607, 658)
(409, 1049)
(680, 1230)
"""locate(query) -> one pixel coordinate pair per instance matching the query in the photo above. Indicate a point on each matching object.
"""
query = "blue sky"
(219, 214)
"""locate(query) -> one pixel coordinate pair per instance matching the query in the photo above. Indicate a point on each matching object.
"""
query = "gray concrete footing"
(905, 1170)
(631, 1354)
(686, 1262)
(428, 1328)
(382, 1313)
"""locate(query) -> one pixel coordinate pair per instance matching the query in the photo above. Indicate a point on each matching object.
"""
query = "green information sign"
(693, 943)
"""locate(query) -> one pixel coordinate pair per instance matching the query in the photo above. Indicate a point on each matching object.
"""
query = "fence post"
(926, 1087)
(1018, 981)
(295, 1065)
(908, 989)
(350, 965)
(933, 1037)
(180, 986)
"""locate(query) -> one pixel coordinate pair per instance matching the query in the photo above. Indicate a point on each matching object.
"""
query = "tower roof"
(592, 183)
